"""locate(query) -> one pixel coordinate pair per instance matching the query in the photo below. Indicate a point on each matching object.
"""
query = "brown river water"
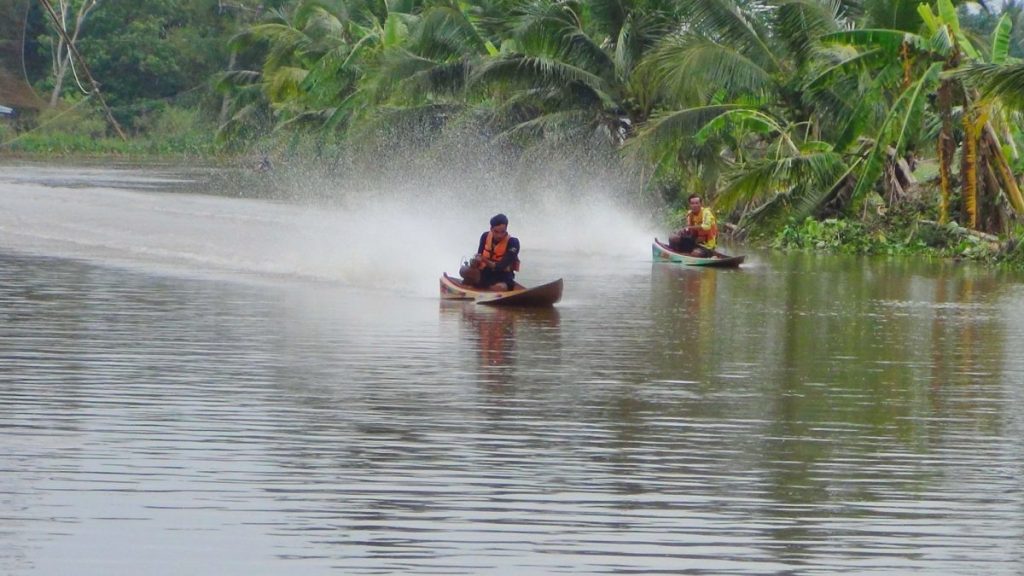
(200, 382)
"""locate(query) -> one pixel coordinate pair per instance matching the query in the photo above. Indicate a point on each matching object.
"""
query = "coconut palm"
(566, 71)
(735, 114)
(315, 56)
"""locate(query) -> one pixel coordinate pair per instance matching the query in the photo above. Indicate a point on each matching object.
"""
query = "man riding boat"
(496, 260)
(700, 235)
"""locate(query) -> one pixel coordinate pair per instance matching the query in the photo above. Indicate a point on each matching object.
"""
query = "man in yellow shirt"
(700, 235)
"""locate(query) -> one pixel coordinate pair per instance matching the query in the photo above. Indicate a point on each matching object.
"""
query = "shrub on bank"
(81, 128)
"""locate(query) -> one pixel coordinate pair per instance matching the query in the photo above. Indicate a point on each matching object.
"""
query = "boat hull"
(662, 253)
(538, 296)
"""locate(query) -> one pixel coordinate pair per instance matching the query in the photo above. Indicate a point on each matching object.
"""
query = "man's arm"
(483, 240)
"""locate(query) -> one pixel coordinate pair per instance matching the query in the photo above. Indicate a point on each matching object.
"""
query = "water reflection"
(688, 308)
(504, 337)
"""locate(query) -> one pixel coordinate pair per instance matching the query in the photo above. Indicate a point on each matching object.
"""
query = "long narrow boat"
(662, 253)
(543, 295)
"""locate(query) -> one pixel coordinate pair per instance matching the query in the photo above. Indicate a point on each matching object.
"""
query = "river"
(198, 381)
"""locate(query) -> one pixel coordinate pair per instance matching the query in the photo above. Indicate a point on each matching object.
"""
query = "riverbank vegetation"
(867, 126)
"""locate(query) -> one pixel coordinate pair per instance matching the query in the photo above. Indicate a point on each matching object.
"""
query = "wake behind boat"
(543, 295)
(663, 253)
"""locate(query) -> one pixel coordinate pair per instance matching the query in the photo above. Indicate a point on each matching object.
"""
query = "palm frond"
(800, 22)
(806, 177)
(568, 125)
(725, 22)
(444, 32)
(891, 14)
(330, 75)
(666, 134)
(941, 42)
(890, 40)
(413, 76)
(316, 21)
(864, 111)
(540, 20)
(1001, 40)
(525, 70)
(283, 83)
(231, 79)
(858, 61)
(691, 68)
(280, 34)
(610, 16)
(742, 120)
(548, 30)
(1005, 82)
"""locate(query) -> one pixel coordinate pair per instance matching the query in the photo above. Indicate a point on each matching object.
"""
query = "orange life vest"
(495, 252)
(706, 237)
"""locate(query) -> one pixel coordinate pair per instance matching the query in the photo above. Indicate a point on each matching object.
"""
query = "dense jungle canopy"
(775, 110)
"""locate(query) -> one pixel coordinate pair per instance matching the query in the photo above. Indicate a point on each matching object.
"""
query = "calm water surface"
(193, 384)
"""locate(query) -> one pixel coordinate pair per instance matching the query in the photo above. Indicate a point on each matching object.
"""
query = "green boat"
(662, 253)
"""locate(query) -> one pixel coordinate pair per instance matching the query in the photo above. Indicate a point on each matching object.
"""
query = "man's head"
(695, 203)
(499, 225)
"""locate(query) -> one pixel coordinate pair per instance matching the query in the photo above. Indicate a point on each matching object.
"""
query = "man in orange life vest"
(497, 258)
(700, 235)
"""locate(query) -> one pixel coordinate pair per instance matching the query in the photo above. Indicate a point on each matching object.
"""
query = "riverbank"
(906, 234)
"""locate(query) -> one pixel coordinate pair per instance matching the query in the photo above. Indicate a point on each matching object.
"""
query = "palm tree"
(734, 113)
(566, 71)
(316, 55)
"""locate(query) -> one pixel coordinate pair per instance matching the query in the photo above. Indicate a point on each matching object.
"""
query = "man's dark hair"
(498, 220)
(692, 196)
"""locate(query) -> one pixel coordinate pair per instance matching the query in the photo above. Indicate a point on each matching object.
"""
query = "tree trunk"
(1003, 170)
(64, 51)
(225, 103)
(58, 76)
(946, 148)
(969, 169)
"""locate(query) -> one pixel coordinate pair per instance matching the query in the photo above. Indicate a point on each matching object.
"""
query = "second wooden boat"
(663, 253)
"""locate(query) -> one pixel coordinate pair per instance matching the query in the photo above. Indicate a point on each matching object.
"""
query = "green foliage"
(7, 131)
(82, 120)
(845, 236)
(142, 51)
(902, 232)
(82, 129)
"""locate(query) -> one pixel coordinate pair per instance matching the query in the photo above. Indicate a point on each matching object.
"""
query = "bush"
(73, 120)
(848, 237)
(6, 131)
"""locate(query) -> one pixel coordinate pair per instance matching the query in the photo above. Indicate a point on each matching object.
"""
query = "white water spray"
(398, 238)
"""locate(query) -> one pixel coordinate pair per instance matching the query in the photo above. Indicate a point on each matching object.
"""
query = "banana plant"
(927, 86)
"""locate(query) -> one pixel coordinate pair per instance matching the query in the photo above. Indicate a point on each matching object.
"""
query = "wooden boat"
(543, 295)
(662, 253)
